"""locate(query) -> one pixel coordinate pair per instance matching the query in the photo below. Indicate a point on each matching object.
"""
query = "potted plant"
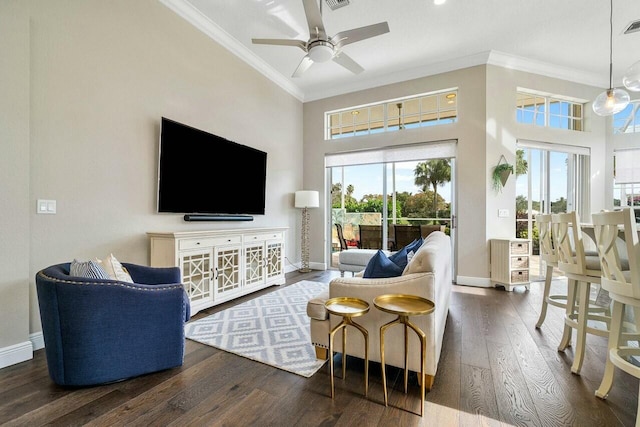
(501, 173)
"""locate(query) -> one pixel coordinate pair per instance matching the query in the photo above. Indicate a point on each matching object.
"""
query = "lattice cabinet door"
(254, 265)
(227, 279)
(274, 260)
(197, 274)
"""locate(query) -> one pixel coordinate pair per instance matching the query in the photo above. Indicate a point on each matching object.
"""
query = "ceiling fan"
(320, 47)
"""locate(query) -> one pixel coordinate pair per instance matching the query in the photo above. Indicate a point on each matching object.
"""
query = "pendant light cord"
(611, 45)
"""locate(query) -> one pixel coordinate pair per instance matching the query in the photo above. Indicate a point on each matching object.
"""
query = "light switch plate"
(503, 213)
(46, 206)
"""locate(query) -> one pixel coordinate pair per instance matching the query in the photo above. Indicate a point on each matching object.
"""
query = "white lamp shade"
(307, 199)
(631, 79)
(610, 101)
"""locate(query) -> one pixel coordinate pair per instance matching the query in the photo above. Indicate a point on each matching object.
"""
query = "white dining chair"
(624, 289)
(549, 255)
(584, 270)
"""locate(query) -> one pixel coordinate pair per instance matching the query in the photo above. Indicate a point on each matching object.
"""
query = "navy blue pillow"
(400, 258)
(380, 266)
(415, 245)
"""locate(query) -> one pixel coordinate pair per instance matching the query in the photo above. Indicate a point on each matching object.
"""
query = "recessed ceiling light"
(450, 95)
(438, 2)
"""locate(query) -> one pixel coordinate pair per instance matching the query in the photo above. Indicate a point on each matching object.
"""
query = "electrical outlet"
(503, 213)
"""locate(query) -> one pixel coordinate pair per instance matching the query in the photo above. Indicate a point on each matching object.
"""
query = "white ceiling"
(568, 39)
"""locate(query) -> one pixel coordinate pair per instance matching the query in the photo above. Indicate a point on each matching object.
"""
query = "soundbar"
(217, 217)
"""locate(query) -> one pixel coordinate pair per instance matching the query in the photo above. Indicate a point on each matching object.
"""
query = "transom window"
(628, 120)
(428, 109)
(547, 110)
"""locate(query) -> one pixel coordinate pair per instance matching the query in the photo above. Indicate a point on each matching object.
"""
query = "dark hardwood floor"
(496, 369)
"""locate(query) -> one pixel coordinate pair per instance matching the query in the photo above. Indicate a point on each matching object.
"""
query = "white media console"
(220, 265)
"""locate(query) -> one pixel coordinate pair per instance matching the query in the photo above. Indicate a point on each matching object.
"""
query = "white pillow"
(115, 270)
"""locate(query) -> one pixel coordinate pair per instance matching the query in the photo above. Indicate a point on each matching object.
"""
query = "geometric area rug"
(272, 328)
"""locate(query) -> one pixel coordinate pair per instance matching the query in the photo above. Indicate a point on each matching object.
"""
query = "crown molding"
(513, 62)
(196, 18)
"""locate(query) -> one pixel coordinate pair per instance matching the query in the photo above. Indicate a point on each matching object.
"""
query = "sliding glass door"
(550, 179)
(384, 205)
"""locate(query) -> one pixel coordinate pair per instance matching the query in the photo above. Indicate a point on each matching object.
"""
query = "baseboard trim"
(16, 353)
(480, 282)
(37, 341)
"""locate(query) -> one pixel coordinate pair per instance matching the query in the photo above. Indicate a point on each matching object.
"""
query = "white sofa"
(428, 275)
(355, 260)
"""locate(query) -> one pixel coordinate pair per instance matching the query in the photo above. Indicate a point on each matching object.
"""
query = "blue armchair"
(99, 331)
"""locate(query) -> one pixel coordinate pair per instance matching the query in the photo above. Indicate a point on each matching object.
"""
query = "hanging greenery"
(501, 174)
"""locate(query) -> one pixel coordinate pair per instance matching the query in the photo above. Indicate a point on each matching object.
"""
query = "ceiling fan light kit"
(322, 48)
(321, 51)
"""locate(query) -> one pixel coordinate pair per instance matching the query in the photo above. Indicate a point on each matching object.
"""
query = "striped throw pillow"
(89, 269)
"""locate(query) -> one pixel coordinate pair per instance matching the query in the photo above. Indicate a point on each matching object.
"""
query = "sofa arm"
(367, 289)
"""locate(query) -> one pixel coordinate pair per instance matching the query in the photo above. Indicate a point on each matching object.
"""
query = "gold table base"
(348, 308)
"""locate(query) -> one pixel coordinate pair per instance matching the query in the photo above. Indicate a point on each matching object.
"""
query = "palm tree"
(521, 164)
(433, 173)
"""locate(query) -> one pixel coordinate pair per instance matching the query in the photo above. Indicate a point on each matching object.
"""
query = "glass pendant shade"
(610, 101)
(631, 79)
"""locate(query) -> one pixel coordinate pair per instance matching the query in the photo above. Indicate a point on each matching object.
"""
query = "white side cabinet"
(219, 265)
(510, 259)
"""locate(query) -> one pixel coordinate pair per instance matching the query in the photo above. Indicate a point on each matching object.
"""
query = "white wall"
(14, 184)
(89, 82)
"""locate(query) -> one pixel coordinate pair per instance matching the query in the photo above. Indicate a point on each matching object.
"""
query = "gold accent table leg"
(332, 335)
(365, 334)
(344, 351)
(406, 354)
(423, 352)
(383, 328)
(343, 325)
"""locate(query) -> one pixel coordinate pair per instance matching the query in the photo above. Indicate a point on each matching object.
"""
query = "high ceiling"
(562, 38)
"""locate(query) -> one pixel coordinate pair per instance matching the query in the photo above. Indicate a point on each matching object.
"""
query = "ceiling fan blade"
(344, 38)
(282, 42)
(314, 19)
(303, 66)
(348, 63)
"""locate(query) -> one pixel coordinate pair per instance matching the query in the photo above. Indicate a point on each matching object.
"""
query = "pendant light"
(631, 79)
(612, 100)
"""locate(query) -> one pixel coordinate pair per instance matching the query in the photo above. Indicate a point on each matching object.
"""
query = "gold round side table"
(348, 308)
(404, 306)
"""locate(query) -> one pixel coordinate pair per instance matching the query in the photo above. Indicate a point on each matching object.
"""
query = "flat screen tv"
(201, 173)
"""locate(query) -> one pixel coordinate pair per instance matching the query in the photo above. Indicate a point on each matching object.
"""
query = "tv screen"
(201, 173)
